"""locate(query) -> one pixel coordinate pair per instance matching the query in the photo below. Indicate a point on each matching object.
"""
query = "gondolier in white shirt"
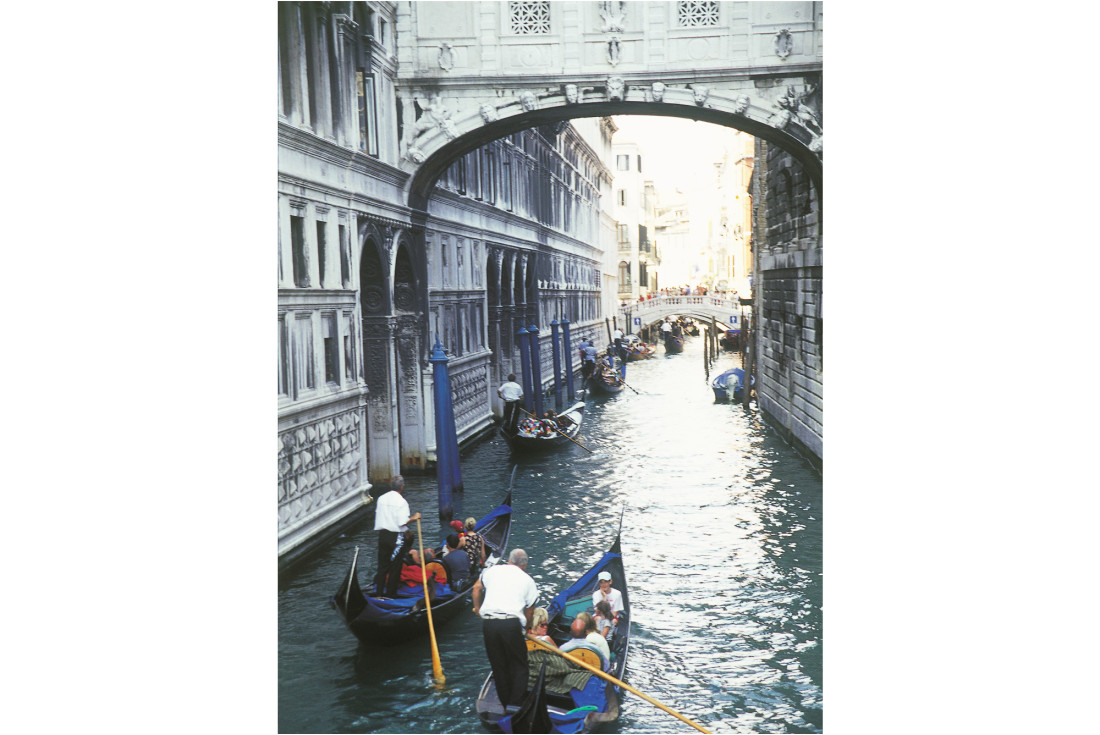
(504, 596)
(391, 520)
(511, 393)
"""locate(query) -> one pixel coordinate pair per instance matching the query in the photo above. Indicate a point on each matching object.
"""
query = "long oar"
(615, 681)
(437, 666)
(559, 431)
(628, 385)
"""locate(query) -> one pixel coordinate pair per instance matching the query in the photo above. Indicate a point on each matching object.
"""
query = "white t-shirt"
(508, 591)
(511, 391)
(617, 334)
(391, 512)
(614, 598)
(666, 327)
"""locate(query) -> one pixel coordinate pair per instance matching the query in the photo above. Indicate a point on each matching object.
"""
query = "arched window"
(624, 274)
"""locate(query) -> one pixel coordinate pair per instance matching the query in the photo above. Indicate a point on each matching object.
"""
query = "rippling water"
(721, 539)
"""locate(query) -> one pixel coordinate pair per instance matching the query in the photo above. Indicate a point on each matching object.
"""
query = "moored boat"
(576, 700)
(532, 434)
(728, 385)
(388, 621)
(606, 383)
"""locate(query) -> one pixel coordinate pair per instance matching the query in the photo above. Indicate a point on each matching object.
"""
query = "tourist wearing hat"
(606, 593)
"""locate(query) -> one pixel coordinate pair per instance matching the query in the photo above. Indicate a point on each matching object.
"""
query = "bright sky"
(675, 152)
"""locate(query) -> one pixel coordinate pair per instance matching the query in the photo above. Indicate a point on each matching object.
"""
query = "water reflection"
(721, 537)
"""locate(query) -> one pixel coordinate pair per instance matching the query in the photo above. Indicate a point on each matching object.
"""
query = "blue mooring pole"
(445, 458)
(525, 360)
(536, 367)
(567, 352)
(555, 345)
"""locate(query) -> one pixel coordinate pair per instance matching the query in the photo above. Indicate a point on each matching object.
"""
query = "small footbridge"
(707, 309)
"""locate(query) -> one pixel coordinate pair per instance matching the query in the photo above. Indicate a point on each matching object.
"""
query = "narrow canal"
(722, 543)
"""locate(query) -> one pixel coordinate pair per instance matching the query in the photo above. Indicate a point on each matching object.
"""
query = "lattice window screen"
(696, 14)
(529, 18)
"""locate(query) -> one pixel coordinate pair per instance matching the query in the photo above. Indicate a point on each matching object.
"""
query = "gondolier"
(391, 520)
(504, 596)
(511, 393)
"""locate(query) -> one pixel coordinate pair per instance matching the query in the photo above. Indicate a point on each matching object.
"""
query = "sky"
(678, 153)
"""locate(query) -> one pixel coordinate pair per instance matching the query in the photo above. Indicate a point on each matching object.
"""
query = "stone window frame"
(529, 18)
(698, 13)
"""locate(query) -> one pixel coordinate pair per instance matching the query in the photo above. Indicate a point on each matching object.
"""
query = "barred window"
(529, 18)
(696, 13)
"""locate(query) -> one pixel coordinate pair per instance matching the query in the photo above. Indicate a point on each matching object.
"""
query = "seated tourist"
(605, 619)
(584, 634)
(540, 626)
(456, 558)
(411, 573)
(608, 594)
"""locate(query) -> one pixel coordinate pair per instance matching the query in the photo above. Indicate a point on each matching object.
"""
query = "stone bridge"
(472, 72)
(728, 312)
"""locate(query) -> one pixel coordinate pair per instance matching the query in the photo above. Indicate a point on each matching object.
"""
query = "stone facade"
(788, 300)
(510, 237)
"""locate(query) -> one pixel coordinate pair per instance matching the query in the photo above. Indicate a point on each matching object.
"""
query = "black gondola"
(673, 344)
(596, 701)
(531, 434)
(389, 621)
(606, 382)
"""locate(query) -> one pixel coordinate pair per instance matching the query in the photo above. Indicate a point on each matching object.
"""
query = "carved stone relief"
(658, 91)
(488, 112)
(741, 104)
(571, 94)
(784, 43)
(446, 57)
(528, 100)
(615, 88)
(700, 95)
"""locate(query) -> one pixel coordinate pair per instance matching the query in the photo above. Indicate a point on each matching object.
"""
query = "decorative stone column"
(412, 436)
(378, 349)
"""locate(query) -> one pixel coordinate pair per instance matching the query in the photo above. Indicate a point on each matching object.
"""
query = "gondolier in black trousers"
(511, 393)
(391, 519)
(504, 596)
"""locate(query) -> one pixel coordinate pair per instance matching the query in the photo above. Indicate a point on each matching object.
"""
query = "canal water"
(722, 544)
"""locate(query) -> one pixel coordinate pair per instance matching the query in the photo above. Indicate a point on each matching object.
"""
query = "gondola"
(673, 345)
(531, 434)
(732, 379)
(728, 341)
(606, 383)
(571, 710)
(390, 621)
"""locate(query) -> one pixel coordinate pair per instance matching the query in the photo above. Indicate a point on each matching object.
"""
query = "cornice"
(304, 141)
(484, 82)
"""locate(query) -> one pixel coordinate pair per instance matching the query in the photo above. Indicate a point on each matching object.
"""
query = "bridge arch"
(794, 125)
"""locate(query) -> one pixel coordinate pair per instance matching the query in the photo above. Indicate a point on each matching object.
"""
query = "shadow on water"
(722, 541)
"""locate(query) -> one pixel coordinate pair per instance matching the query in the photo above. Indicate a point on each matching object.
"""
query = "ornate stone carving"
(614, 51)
(784, 43)
(528, 100)
(658, 91)
(446, 57)
(700, 94)
(613, 15)
(374, 299)
(449, 129)
(572, 94)
(741, 104)
(415, 155)
(488, 112)
(317, 462)
(796, 107)
(615, 88)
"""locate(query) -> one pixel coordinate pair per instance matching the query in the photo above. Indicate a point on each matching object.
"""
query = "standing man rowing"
(504, 596)
(511, 393)
(391, 520)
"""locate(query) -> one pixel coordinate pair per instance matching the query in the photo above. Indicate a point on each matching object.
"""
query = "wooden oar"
(558, 430)
(437, 666)
(614, 681)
